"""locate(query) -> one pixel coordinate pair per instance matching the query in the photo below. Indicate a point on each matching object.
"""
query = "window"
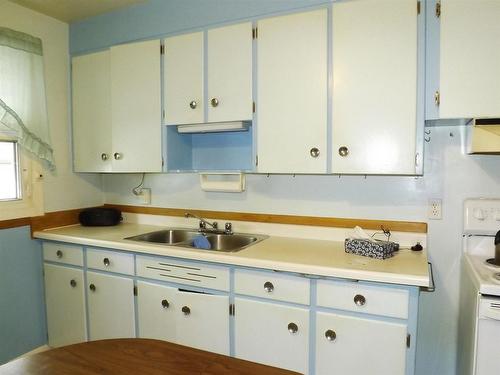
(10, 186)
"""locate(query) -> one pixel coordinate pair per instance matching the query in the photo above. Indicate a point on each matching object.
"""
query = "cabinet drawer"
(189, 273)
(370, 299)
(272, 285)
(111, 261)
(68, 254)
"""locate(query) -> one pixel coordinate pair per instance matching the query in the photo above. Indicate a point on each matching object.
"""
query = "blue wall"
(22, 307)
(157, 18)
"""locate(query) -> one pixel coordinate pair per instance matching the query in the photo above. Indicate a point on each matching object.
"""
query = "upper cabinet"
(469, 59)
(208, 76)
(292, 93)
(374, 101)
(117, 109)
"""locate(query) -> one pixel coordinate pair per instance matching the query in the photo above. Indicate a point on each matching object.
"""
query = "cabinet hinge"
(408, 340)
(135, 290)
(256, 160)
(438, 9)
(232, 309)
(162, 162)
(255, 33)
(253, 107)
(162, 49)
(437, 98)
(418, 7)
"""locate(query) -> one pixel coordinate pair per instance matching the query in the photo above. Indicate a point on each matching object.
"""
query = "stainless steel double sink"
(184, 238)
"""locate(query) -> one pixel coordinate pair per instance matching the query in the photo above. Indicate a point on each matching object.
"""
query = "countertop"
(305, 256)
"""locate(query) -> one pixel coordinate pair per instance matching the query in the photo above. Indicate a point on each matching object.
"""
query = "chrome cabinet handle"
(186, 310)
(343, 151)
(72, 283)
(118, 156)
(293, 328)
(330, 335)
(165, 304)
(214, 102)
(314, 152)
(106, 262)
(268, 286)
(59, 254)
(92, 287)
(359, 300)
(193, 104)
(104, 157)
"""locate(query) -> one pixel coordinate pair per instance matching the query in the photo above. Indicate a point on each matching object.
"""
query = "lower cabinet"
(65, 303)
(190, 318)
(354, 345)
(111, 306)
(272, 334)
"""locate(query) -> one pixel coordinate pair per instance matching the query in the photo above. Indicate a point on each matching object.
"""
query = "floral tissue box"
(371, 248)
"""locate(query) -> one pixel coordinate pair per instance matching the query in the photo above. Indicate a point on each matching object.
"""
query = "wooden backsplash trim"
(396, 226)
(14, 223)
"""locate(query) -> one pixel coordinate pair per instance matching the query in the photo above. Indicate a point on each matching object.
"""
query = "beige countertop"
(305, 256)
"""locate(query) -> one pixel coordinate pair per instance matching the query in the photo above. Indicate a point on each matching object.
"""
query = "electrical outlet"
(145, 196)
(435, 209)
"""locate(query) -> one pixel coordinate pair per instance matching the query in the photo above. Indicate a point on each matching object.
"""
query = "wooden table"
(133, 356)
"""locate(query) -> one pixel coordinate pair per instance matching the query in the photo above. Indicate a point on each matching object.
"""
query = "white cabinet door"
(229, 56)
(136, 107)
(156, 306)
(184, 98)
(111, 306)
(352, 345)
(292, 93)
(272, 334)
(91, 113)
(65, 302)
(374, 86)
(469, 59)
(202, 321)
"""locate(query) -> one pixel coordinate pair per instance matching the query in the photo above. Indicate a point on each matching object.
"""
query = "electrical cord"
(138, 189)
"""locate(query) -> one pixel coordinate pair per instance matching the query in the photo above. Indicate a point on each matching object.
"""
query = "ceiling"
(74, 10)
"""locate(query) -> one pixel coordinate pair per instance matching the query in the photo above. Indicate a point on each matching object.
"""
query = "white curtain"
(23, 108)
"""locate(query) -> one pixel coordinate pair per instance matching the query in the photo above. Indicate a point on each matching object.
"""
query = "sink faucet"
(214, 226)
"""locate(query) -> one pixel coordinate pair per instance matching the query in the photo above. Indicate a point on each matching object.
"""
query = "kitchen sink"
(184, 238)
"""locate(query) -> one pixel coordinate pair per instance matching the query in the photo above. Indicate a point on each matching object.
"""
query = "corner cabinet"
(312, 325)
(374, 101)
(292, 93)
(464, 59)
(117, 109)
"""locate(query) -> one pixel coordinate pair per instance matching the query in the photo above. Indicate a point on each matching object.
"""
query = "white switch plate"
(435, 209)
(145, 196)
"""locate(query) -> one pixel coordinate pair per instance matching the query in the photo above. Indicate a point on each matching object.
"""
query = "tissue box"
(372, 249)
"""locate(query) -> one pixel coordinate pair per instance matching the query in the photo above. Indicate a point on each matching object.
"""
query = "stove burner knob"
(479, 214)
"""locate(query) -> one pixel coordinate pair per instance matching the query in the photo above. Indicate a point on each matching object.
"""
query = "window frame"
(30, 175)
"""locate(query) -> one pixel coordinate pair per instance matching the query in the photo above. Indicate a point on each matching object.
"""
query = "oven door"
(488, 334)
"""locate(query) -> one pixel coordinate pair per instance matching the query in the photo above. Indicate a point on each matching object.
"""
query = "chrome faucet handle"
(203, 225)
(215, 225)
(228, 228)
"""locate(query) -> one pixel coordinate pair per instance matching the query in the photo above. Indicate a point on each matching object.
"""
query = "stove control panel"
(482, 216)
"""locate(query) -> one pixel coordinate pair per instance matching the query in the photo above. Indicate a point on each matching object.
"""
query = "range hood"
(215, 127)
(484, 136)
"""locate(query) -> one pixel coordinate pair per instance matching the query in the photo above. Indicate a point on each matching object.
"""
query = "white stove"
(479, 325)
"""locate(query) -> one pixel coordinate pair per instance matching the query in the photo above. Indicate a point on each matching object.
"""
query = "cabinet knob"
(92, 287)
(314, 152)
(214, 102)
(118, 156)
(268, 286)
(330, 335)
(186, 310)
(359, 300)
(343, 151)
(106, 262)
(104, 157)
(193, 104)
(165, 304)
(72, 283)
(293, 328)
(59, 254)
